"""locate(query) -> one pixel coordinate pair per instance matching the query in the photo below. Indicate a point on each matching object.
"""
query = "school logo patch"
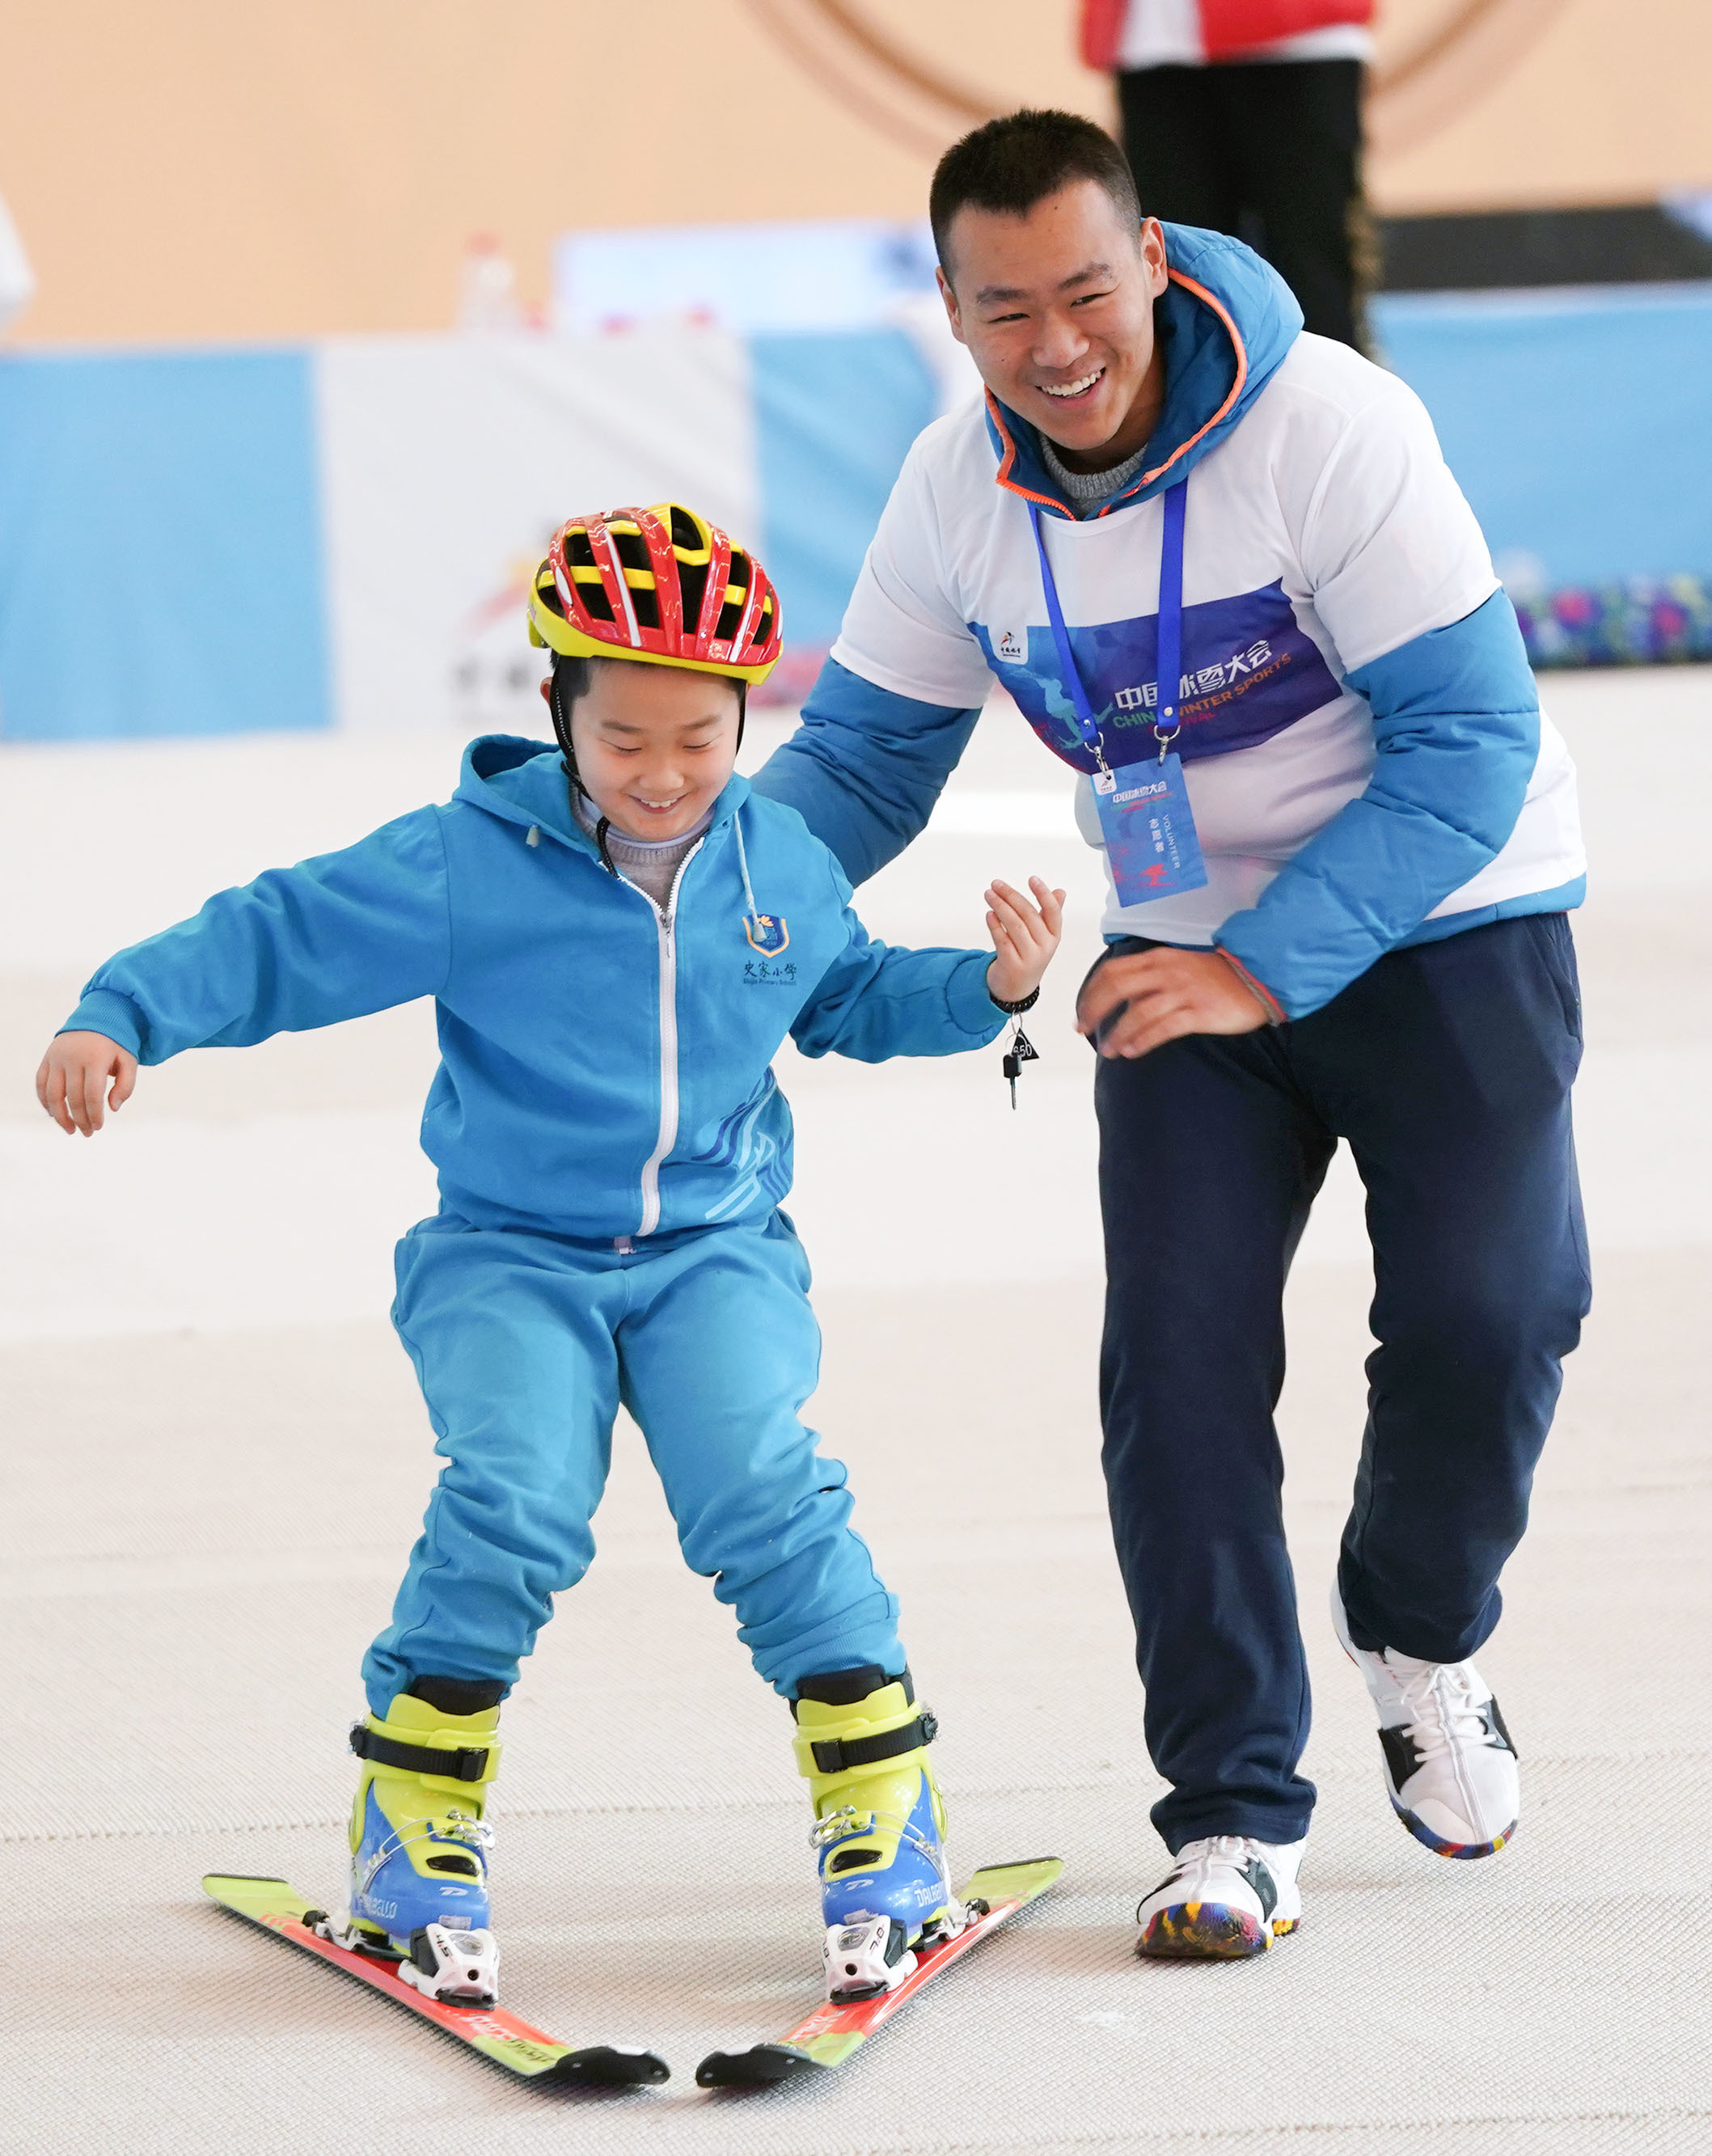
(766, 932)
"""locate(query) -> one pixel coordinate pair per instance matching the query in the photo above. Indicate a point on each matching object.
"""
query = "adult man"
(1379, 951)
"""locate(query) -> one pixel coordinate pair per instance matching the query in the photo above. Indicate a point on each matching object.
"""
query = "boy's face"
(654, 745)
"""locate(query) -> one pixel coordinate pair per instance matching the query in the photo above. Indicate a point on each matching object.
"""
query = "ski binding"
(839, 2027)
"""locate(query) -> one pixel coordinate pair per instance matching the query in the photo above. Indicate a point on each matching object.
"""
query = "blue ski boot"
(880, 1828)
(419, 1846)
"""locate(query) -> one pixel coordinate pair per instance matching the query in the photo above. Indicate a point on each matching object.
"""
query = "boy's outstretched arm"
(876, 1001)
(335, 937)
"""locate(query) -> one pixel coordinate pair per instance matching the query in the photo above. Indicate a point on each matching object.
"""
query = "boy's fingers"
(70, 1100)
(124, 1084)
(50, 1090)
(1024, 921)
(1045, 924)
(94, 1081)
(1002, 894)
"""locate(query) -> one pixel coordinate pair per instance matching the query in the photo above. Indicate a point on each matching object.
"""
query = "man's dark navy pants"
(1447, 1068)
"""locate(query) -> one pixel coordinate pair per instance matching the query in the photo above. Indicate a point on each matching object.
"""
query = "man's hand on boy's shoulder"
(72, 1084)
(1025, 937)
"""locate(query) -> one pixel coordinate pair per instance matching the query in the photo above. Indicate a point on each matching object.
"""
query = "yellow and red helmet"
(660, 584)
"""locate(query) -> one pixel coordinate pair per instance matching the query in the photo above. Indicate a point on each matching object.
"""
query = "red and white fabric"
(1118, 35)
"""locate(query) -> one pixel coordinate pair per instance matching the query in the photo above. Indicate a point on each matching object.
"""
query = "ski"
(831, 2033)
(277, 1907)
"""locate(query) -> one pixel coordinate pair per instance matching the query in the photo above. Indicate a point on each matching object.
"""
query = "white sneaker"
(1229, 1897)
(1450, 1767)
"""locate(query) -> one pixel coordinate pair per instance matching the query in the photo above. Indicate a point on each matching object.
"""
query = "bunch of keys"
(1020, 1050)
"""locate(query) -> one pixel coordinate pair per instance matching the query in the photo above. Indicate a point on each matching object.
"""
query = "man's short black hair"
(1018, 160)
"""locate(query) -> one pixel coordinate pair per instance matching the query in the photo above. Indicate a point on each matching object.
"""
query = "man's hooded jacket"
(1362, 741)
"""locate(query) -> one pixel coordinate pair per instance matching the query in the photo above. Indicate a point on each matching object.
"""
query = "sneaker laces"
(1444, 1704)
(1235, 1850)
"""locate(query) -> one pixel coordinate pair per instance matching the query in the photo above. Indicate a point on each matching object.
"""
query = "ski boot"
(419, 1845)
(880, 1828)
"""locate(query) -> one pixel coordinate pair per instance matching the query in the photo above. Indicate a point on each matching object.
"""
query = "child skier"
(615, 962)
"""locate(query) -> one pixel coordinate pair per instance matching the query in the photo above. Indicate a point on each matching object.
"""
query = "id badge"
(1148, 830)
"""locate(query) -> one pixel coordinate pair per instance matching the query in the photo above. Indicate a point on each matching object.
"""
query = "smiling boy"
(618, 936)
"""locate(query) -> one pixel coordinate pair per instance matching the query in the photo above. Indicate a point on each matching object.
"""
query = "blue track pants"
(525, 1346)
(1447, 1068)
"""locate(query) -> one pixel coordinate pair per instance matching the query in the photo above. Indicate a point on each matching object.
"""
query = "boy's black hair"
(570, 680)
(1018, 160)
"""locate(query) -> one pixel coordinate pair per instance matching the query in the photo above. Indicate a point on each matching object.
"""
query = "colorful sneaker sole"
(1461, 1850)
(1205, 1931)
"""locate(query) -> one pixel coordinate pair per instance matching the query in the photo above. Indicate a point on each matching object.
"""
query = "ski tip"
(605, 2066)
(759, 2067)
(1025, 1876)
(213, 1882)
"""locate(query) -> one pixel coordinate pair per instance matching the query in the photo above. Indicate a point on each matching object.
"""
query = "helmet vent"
(692, 581)
(731, 612)
(685, 533)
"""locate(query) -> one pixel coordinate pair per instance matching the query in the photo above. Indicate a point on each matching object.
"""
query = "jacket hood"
(1227, 318)
(523, 781)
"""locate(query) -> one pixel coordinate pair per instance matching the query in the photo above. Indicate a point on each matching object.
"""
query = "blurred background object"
(487, 287)
(796, 273)
(1245, 116)
(250, 365)
(192, 172)
(17, 282)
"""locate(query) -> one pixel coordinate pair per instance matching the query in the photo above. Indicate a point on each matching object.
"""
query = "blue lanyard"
(1166, 723)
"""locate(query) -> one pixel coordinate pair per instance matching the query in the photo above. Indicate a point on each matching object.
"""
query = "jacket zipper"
(665, 925)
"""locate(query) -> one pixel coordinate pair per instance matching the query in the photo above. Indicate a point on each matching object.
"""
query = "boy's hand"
(1024, 936)
(72, 1081)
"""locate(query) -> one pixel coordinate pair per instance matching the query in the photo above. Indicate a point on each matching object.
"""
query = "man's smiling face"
(1056, 307)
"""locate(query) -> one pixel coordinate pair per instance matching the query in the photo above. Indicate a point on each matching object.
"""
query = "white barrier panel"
(446, 464)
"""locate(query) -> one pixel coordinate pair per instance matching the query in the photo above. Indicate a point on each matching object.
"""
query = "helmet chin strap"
(560, 711)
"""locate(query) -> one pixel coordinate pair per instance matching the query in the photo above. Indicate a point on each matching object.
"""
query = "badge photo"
(766, 932)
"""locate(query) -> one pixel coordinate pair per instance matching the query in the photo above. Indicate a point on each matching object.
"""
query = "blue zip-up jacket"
(1455, 728)
(605, 1068)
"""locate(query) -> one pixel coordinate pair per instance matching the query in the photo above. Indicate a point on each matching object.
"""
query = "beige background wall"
(189, 169)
